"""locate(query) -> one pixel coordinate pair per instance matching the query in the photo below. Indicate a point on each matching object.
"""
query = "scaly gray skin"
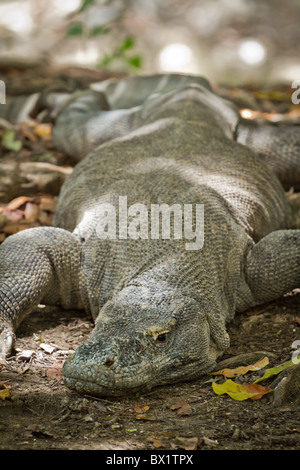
(160, 310)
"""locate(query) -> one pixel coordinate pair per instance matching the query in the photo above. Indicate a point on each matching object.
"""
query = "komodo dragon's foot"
(7, 341)
(287, 388)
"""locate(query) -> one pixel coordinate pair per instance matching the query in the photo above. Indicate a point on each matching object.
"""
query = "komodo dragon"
(160, 309)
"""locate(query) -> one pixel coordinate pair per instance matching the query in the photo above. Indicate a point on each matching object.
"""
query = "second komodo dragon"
(160, 304)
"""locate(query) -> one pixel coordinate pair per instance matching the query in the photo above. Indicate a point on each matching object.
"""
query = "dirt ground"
(43, 414)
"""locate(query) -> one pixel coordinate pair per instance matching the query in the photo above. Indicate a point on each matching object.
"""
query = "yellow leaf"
(139, 409)
(43, 130)
(240, 392)
(243, 369)
(5, 393)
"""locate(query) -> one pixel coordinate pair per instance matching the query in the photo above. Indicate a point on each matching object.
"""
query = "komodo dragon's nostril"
(109, 362)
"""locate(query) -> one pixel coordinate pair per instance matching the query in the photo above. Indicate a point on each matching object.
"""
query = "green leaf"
(106, 61)
(276, 370)
(128, 43)
(99, 30)
(75, 30)
(8, 141)
(45, 157)
(135, 61)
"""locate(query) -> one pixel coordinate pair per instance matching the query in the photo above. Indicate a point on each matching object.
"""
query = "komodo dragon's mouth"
(96, 380)
(94, 389)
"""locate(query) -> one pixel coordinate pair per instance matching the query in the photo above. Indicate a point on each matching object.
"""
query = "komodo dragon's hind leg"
(273, 265)
(278, 145)
(273, 269)
(91, 117)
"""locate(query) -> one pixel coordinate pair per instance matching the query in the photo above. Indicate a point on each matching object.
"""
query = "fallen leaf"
(157, 443)
(18, 202)
(276, 370)
(5, 393)
(240, 392)
(182, 407)
(26, 355)
(48, 203)
(139, 409)
(243, 369)
(186, 443)
(43, 130)
(9, 141)
(28, 133)
(47, 348)
(144, 417)
(55, 372)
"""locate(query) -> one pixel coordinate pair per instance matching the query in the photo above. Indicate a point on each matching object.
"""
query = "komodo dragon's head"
(146, 336)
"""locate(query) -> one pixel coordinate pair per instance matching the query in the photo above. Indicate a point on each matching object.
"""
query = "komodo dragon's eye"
(162, 338)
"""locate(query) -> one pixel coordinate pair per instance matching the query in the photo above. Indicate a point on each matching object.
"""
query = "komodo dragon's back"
(160, 303)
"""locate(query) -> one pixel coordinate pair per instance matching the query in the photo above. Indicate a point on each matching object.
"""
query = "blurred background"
(229, 41)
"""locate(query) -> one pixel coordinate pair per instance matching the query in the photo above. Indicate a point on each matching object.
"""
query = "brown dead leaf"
(48, 203)
(144, 417)
(18, 202)
(182, 407)
(26, 132)
(141, 409)
(157, 443)
(55, 372)
(186, 443)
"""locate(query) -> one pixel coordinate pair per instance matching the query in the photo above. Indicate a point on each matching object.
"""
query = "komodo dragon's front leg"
(40, 264)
